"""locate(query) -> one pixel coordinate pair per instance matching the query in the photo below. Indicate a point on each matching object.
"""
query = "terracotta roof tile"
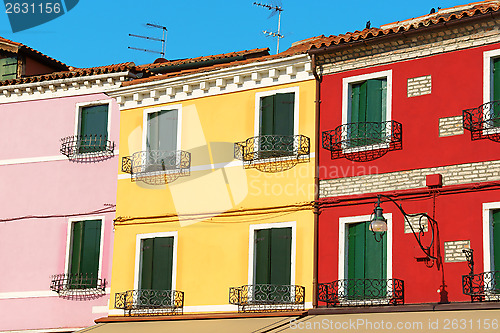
(75, 72)
(441, 16)
(245, 53)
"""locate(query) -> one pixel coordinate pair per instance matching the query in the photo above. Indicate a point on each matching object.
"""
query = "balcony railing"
(147, 302)
(363, 141)
(267, 297)
(273, 153)
(362, 292)
(87, 147)
(157, 167)
(482, 287)
(80, 286)
(483, 122)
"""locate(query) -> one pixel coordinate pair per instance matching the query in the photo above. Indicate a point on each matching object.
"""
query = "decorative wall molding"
(76, 86)
(220, 81)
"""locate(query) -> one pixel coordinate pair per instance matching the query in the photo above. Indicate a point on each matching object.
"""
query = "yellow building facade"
(216, 190)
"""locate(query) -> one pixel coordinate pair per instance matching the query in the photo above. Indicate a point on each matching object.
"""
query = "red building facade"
(393, 123)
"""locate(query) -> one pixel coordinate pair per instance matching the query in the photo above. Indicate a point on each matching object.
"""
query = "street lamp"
(378, 226)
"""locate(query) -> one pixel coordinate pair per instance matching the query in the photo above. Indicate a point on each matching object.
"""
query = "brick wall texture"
(402, 180)
(453, 250)
(418, 86)
(451, 126)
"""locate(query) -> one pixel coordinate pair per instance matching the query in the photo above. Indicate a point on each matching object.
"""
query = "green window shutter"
(281, 256)
(91, 247)
(146, 263)
(283, 114)
(162, 130)
(496, 79)
(85, 250)
(267, 115)
(93, 128)
(94, 121)
(273, 256)
(262, 256)
(356, 251)
(8, 68)
(375, 90)
(162, 263)
(496, 240)
(366, 259)
(76, 247)
(157, 263)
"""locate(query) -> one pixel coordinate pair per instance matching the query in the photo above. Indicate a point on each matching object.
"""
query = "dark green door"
(496, 251)
(366, 261)
(496, 92)
(273, 262)
(93, 128)
(367, 112)
(156, 263)
(85, 250)
(156, 272)
(276, 125)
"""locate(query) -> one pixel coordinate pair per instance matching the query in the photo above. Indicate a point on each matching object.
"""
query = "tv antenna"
(163, 39)
(276, 8)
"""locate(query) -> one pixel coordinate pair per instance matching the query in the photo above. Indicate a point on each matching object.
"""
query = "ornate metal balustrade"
(482, 287)
(157, 167)
(267, 297)
(362, 292)
(483, 122)
(87, 147)
(363, 141)
(273, 153)
(147, 302)
(81, 286)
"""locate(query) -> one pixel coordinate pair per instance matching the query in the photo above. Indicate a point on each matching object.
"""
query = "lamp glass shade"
(378, 225)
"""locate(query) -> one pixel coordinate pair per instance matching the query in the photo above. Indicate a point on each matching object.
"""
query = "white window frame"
(147, 111)
(488, 57)
(488, 209)
(78, 117)
(69, 240)
(137, 269)
(81, 105)
(251, 247)
(343, 242)
(347, 83)
(259, 96)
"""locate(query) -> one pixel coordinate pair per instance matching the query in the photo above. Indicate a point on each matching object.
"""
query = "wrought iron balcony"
(157, 167)
(362, 292)
(482, 287)
(80, 286)
(483, 122)
(147, 302)
(267, 297)
(363, 141)
(87, 147)
(273, 153)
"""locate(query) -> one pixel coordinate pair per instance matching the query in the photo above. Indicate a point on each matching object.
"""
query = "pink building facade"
(58, 164)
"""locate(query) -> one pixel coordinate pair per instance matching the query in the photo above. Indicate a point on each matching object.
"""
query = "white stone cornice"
(62, 87)
(226, 80)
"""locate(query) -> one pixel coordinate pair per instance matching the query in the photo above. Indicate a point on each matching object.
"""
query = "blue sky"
(95, 33)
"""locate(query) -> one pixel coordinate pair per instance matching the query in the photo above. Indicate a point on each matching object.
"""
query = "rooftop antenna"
(163, 40)
(275, 9)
